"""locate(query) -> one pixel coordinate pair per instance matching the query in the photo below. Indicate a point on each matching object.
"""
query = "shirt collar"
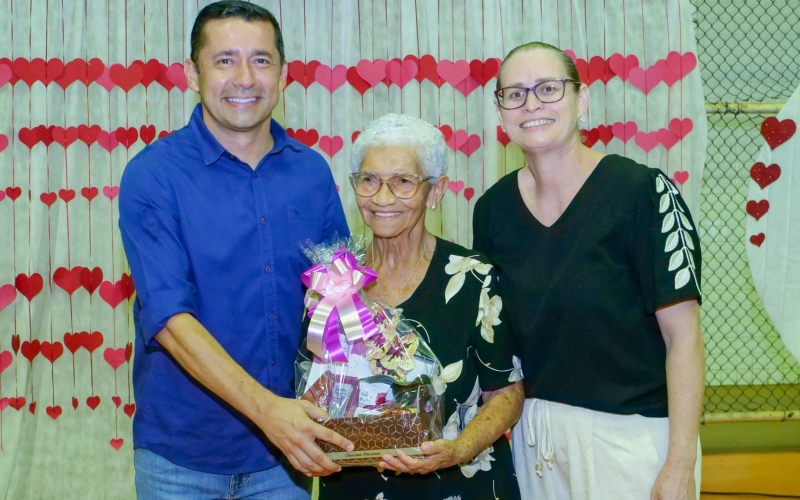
(212, 150)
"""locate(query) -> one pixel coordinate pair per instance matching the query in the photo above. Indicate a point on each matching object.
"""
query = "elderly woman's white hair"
(392, 129)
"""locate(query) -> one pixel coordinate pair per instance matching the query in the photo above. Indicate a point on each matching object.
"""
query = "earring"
(433, 207)
(581, 118)
(503, 128)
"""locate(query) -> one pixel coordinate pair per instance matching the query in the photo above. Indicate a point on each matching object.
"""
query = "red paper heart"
(114, 357)
(6, 74)
(467, 85)
(681, 176)
(94, 70)
(308, 137)
(453, 72)
(13, 192)
(5, 360)
(74, 403)
(401, 72)
(129, 409)
(162, 77)
(88, 134)
(126, 78)
(28, 137)
(757, 209)
(117, 400)
(605, 133)
(68, 279)
(177, 76)
(331, 145)
(447, 132)
(29, 286)
(53, 412)
(372, 72)
(91, 341)
(116, 443)
(646, 140)
(3, 144)
(590, 137)
(763, 175)
(45, 133)
(107, 140)
(356, 81)
(469, 193)
(667, 138)
(31, 349)
(89, 193)
(127, 137)
(150, 72)
(91, 279)
(354, 136)
(93, 402)
(53, 351)
(72, 341)
(21, 68)
(599, 70)
(676, 66)
(110, 192)
(457, 139)
(427, 69)
(757, 239)
(645, 80)
(164, 133)
(471, 145)
(681, 128)
(74, 71)
(104, 80)
(455, 186)
(128, 351)
(331, 78)
(112, 293)
(147, 133)
(583, 70)
(54, 69)
(15, 337)
(624, 131)
(776, 132)
(127, 285)
(7, 295)
(502, 137)
(622, 66)
(16, 403)
(66, 194)
(65, 137)
(48, 198)
(32, 407)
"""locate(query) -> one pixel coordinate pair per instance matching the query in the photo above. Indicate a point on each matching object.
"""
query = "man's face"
(239, 77)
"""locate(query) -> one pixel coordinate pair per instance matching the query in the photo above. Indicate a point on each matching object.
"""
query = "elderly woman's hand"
(439, 454)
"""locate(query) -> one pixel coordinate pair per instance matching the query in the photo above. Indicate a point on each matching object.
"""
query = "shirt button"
(268, 269)
(272, 317)
(274, 362)
(263, 220)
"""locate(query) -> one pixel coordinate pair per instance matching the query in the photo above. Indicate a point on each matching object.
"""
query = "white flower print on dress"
(460, 418)
(516, 373)
(488, 314)
(450, 374)
(459, 266)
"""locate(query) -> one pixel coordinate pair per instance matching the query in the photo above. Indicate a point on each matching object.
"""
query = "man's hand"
(288, 424)
(439, 454)
(674, 482)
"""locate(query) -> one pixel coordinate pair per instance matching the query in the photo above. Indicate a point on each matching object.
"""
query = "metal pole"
(751, 416)
(750, 108)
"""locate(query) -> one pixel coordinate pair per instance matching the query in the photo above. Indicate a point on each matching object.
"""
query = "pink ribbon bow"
(338, 285)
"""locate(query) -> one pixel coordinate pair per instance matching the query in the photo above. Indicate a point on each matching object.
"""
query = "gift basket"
(363, 362)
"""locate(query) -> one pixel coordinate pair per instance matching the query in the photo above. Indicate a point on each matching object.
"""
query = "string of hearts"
(457, 140)
(70, 281)
(66, 195)
(775, 133)
(465, 76)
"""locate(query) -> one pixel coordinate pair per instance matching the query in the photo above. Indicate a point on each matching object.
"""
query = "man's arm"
(680, 326)
(286, 422)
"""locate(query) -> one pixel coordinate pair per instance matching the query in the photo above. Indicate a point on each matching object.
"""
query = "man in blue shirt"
(211, 219)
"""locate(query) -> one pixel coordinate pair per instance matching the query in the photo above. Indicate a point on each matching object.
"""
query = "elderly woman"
(599, 263)
(450, 294)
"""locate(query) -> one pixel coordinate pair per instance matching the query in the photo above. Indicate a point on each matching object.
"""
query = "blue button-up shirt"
(206, 234)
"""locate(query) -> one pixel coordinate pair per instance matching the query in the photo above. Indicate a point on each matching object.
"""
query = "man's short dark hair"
(231, 8)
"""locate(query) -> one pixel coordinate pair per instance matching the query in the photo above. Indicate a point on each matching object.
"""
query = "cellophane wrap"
(362, 362)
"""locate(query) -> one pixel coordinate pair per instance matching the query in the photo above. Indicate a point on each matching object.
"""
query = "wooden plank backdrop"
(86, 84)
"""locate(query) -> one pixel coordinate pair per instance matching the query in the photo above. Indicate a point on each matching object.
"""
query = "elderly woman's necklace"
(400, 293)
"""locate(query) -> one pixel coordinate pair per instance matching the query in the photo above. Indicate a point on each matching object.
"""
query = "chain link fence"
(750, 53)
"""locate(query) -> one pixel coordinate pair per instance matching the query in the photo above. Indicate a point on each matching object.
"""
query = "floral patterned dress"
(458, 310)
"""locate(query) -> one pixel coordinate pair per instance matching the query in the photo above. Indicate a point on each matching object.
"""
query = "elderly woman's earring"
(581, 118)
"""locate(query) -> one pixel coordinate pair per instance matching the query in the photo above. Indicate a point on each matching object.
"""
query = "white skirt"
(564, 452)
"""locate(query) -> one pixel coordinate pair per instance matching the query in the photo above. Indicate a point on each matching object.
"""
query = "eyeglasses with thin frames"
(401, 186)
(546, 92)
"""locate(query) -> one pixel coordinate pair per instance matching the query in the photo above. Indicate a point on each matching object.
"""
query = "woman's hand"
(439, 454)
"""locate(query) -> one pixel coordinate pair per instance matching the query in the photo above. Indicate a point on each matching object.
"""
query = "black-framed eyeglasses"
(547, 91)
(401, 186)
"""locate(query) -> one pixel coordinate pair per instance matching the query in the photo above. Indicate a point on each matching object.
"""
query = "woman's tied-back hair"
(226, 9)
(569, 64)
(392, 129)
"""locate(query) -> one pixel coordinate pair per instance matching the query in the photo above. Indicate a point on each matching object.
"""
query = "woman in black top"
(599, 264)
(450, 295)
